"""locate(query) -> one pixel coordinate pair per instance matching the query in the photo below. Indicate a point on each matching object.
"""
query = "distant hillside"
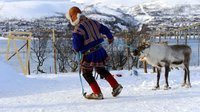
(119, 15)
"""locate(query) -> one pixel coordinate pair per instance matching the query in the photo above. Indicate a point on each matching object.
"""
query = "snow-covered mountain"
(165, 13)
(116, 18)
(119, 14)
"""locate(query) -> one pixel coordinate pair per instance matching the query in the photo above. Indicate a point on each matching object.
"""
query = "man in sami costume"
(87, 40)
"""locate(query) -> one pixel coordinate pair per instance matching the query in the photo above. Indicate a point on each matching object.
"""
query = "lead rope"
(79, 56)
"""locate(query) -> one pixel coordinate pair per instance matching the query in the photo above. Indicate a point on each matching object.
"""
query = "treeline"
(66, 57)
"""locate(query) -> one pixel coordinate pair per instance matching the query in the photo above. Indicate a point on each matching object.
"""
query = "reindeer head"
(139, 51)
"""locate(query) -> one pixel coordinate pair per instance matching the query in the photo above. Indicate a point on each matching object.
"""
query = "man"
(87, 40)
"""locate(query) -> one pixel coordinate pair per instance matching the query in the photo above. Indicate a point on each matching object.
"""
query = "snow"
(129, 3)
(41, 8)
(112, 3)
(62, 93)
(124, 28)
(143, 18)
(2, 38)
(101, 17)
(177, 2)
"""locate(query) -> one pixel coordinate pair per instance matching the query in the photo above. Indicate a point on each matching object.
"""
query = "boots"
(99, 96)
(117, 90)
(94, 96)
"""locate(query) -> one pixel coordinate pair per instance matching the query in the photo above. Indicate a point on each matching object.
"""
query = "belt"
(95, 48)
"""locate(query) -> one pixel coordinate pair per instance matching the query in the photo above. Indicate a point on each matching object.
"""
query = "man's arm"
(77, 42)
(104, 30)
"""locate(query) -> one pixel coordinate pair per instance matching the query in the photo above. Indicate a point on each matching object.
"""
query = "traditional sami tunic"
(87, 39)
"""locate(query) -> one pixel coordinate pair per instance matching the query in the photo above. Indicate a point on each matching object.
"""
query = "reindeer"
(163, 55)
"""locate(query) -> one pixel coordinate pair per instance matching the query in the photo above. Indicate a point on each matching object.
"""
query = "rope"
(95, 74)
(79, 56)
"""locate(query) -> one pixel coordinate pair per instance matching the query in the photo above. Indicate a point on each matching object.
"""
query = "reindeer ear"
(143, 41)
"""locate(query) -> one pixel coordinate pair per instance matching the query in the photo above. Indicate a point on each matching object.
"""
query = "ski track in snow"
(62, 93)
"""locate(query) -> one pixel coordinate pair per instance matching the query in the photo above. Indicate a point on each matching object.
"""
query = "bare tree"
(66, 56)
(39, 47)
(120, 53)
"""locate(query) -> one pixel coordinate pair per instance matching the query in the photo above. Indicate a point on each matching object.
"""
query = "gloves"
(136, 52)
(110, 41)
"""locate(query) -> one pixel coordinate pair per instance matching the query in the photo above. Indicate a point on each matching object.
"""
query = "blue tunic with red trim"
(87, 39)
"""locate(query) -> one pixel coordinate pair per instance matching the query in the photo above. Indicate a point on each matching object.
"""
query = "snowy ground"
(62, 93)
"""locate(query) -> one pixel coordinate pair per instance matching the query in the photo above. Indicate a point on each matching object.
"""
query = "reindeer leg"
(188, 85)
(158, 79)
(185, 77)
(166, 87)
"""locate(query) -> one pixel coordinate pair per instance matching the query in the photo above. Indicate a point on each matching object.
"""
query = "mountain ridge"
(119, 17)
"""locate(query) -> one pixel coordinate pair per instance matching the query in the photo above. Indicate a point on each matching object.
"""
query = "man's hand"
(110, 41)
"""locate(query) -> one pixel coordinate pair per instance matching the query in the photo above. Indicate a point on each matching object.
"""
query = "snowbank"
(62, 93)
(6, 72)
(9, 78)
(16, 84)
(2, 38)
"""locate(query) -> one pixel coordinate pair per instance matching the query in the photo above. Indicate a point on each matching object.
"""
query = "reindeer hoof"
(188, 86)
(156, 88)
(167, 87)
(183, 85)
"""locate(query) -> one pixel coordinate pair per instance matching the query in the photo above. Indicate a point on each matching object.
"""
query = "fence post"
(54, 47)
(186, 37)
(199, 46)
(177, 37)
(21, 36)
(8, 50)
(159, 37)
(28, 56)
(154, 69)
(145, 66)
